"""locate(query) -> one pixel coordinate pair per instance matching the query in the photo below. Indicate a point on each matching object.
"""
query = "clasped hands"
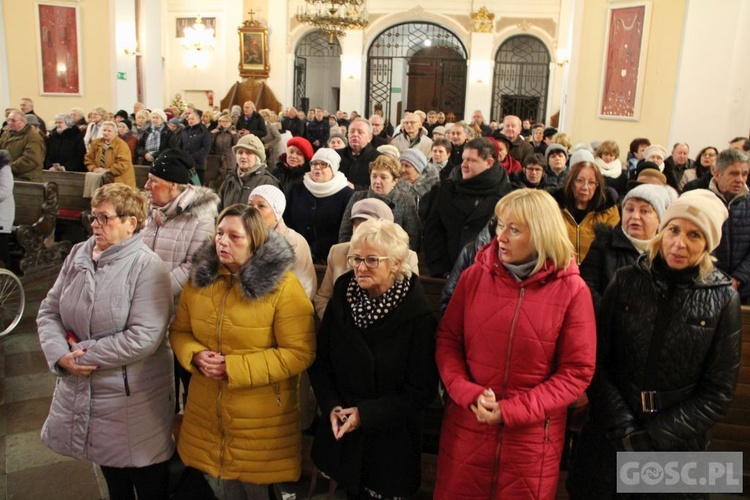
(344, 420)
(211, 364)
(487, 408)
(68, 361)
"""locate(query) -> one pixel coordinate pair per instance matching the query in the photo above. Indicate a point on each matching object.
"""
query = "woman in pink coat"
(515, 347)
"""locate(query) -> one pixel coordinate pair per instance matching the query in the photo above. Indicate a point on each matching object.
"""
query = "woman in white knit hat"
(616, 247)
(669, 342)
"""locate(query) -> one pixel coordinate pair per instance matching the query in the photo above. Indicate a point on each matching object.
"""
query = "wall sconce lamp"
(563, 57)
(131, 51)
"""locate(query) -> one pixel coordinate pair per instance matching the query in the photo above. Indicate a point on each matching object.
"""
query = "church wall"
(659, 78)
(98, 73)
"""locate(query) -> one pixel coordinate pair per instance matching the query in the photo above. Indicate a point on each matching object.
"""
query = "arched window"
(418, 65)
(317, 61)
(521, 79)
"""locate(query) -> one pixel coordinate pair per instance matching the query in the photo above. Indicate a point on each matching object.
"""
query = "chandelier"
(334, 16)
(198, 37)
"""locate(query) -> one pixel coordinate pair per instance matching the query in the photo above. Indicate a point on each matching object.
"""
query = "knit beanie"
(160, 113)
(173, 165)
(654, 149)
(340, 136)
(581, 155)
(387, 149)
(656, 196)
(651, 176)
(303, 145)
(415, 158)
(704, 209)
(371, 208)
(439, 130)
(253, 144)
(329, 156)
(553, 148)
(274, 196)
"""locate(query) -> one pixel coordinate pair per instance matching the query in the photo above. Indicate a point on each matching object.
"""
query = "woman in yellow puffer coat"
(244, 328)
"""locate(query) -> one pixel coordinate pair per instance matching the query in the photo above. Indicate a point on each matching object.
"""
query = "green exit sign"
(121, 75)
(395, 90)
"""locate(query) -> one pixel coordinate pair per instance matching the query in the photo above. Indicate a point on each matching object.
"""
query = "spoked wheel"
(12, 301)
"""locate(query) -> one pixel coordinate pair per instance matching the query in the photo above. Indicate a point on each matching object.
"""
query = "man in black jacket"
(251, 122)
(462, 206)
(318, 129)
(356, 157)
(196, 140)
(292, 123)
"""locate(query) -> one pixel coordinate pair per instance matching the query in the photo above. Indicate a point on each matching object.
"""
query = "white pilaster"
(152, 52)
(352, 71)
(126, 90)
(479, 76)
(569, 40)
(279, 79)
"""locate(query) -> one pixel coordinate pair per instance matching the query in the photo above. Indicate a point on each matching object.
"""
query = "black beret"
(173, 165)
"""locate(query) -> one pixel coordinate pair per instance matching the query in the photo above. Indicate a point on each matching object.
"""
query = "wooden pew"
(36, 217)
(70, 193)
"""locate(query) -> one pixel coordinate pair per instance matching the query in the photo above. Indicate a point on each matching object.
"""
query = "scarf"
(640, 245)
(613, 169)
(153, 140)
(520, 271)
(325, 189)
(175, 207)
(242, 176)
(105, 148)
(365, 310)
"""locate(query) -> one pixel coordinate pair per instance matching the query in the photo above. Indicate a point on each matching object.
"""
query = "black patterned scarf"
(365, 310)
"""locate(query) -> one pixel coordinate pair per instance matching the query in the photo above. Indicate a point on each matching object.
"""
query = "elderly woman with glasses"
(374, 373)
(585, 202)
(103, 329)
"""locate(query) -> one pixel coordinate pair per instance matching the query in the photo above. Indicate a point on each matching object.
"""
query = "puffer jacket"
(582, 235)
(533, 343)
(180, 229)
(196, 140)
(121, 415)
(236, 189)
(7, 201)
(610, 251)
(694, 379)
(404, 214)
(27, 149)
(67, 149)
(117, 160)
(421, 189)
(246, 427)
(733, 253)
(388, 372)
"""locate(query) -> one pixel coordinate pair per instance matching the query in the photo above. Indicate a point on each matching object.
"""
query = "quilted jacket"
(117, 160)
(121, 415)
(533, 343)
(245, 428)
(733, 253)
(179, 233)
(694, 379)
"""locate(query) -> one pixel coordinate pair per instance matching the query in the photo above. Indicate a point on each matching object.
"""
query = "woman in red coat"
(515, 347)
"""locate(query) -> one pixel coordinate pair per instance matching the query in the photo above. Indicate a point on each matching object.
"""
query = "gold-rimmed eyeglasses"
(102, 219)
(371, 261)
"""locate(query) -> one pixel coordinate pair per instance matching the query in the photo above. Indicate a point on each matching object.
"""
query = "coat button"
(703, 323)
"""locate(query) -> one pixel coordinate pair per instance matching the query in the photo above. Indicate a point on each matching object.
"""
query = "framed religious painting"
(624, 61)
(59, 49)
(253, 50)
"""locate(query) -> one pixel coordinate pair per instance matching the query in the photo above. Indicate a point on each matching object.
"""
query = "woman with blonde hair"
(669, 342)
(607, 158)
(515, 347)
(111, 155)
(374, 373)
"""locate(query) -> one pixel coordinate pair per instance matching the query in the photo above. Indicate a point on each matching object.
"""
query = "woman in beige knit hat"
(669, 341)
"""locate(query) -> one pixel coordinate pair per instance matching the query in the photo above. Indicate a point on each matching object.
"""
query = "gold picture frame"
(253, 50)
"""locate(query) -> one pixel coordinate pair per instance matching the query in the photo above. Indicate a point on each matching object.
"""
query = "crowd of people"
(572, 277)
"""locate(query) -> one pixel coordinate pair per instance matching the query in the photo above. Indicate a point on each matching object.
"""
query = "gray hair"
(18, 115)
(365, 121)
(4, 158)
(467, 129)
(66, 118)
(729, 157)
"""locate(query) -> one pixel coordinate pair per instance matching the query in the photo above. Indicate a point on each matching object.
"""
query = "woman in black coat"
(65, 145)
(668, 349)
(374, 373)
(614, 248)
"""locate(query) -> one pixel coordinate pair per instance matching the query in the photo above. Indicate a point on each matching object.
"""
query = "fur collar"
(260, 275)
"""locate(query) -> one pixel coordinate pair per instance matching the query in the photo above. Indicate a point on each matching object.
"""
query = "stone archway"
(317, 72)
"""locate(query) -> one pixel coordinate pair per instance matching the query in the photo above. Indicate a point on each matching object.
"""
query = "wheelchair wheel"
(12, 301)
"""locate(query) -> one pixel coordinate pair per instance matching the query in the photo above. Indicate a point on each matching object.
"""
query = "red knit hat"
(303, 145)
